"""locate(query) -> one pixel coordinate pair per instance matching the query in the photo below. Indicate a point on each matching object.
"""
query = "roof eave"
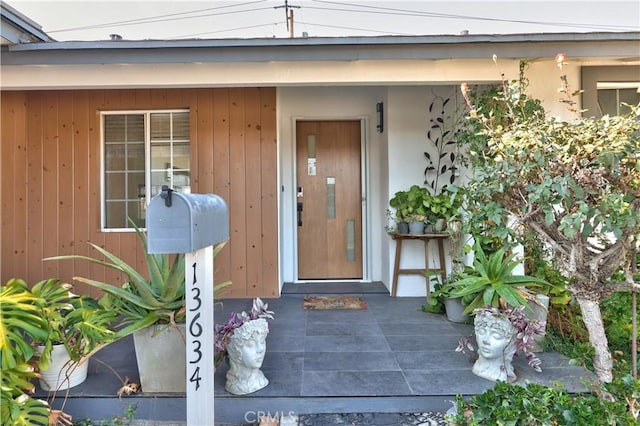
(324, 49)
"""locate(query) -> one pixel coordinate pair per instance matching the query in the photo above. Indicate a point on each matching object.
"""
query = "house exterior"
(306, 139)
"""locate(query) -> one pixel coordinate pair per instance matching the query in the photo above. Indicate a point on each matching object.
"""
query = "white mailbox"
(184, 223)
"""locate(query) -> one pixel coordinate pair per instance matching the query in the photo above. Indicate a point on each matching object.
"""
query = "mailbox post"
(192, 224)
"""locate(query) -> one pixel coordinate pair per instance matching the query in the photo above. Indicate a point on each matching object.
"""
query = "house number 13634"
(195, 331)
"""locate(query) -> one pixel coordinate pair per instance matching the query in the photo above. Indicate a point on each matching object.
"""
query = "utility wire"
(352, 28)
(417, 13)
(360, 10)
(223, 31)
(168, 17)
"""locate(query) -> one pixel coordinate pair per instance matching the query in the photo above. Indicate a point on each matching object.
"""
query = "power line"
(342, 7)
(169, 17)
(352, 28)
(223, 31)
(417, 13)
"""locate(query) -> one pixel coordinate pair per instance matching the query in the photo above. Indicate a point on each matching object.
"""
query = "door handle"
(300, 207)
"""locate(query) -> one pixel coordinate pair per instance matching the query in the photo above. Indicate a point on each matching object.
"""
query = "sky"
(184, 19)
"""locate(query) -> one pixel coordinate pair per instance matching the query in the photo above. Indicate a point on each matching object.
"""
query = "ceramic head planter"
(242, 342)
(496, 340)
(246, 349)
(499, 335)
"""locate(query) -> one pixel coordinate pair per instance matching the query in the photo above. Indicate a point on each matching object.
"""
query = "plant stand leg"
(396, 267)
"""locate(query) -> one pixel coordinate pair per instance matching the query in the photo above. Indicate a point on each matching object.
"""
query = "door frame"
(364, 188)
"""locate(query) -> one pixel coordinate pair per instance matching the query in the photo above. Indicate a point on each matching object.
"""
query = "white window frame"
(147, 160)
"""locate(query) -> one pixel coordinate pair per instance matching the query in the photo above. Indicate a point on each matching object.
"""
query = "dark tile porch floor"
(389, 358)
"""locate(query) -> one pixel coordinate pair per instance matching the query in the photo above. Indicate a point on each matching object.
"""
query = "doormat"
(334, 302)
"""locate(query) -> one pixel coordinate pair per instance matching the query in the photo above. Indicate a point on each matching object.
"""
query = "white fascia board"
(360, 73)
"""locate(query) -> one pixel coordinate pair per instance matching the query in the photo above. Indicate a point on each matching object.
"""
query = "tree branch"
(543, 232)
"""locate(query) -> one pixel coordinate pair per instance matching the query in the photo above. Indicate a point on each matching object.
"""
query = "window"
(611, 95)
(604, 86)
(142, 150)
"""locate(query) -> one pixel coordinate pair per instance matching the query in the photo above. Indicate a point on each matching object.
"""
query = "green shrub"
(534, 404)
(617, 321)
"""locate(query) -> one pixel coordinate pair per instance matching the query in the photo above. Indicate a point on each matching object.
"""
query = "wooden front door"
(329, 200)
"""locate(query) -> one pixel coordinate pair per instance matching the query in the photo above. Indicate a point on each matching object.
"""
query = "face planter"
(246, 348)
(495, 337)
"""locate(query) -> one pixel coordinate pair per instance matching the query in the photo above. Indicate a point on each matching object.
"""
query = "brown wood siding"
(50, 170)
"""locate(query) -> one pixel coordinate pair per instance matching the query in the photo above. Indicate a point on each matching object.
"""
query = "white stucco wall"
(544, 77)
(408, 124)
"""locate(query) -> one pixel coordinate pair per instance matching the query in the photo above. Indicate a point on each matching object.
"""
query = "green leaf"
(119, 292)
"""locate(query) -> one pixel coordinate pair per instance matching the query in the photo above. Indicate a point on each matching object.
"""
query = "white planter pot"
(63, 372)
(160, 352)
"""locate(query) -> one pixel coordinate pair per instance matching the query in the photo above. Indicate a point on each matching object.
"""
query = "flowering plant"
(526, 330)
(223, 332)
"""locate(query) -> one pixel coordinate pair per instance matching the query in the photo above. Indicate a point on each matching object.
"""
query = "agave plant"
(142, 302)
(491, 282)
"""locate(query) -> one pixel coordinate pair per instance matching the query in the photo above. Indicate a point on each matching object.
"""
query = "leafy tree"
(576, 184)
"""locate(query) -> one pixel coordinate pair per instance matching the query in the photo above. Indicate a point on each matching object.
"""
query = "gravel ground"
(352, 419)
(377, 419)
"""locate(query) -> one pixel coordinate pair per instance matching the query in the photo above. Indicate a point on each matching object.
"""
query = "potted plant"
(441, 300)
(400, 204)
(37, 325)
(152, 309)
(412, 207)
(416, 223)
(444, 208)
(498, 301)
(78, 327)
(490, 282)
(242, 343)
(418, 199)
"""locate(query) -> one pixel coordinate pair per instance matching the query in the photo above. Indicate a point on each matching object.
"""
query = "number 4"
(195, 377)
